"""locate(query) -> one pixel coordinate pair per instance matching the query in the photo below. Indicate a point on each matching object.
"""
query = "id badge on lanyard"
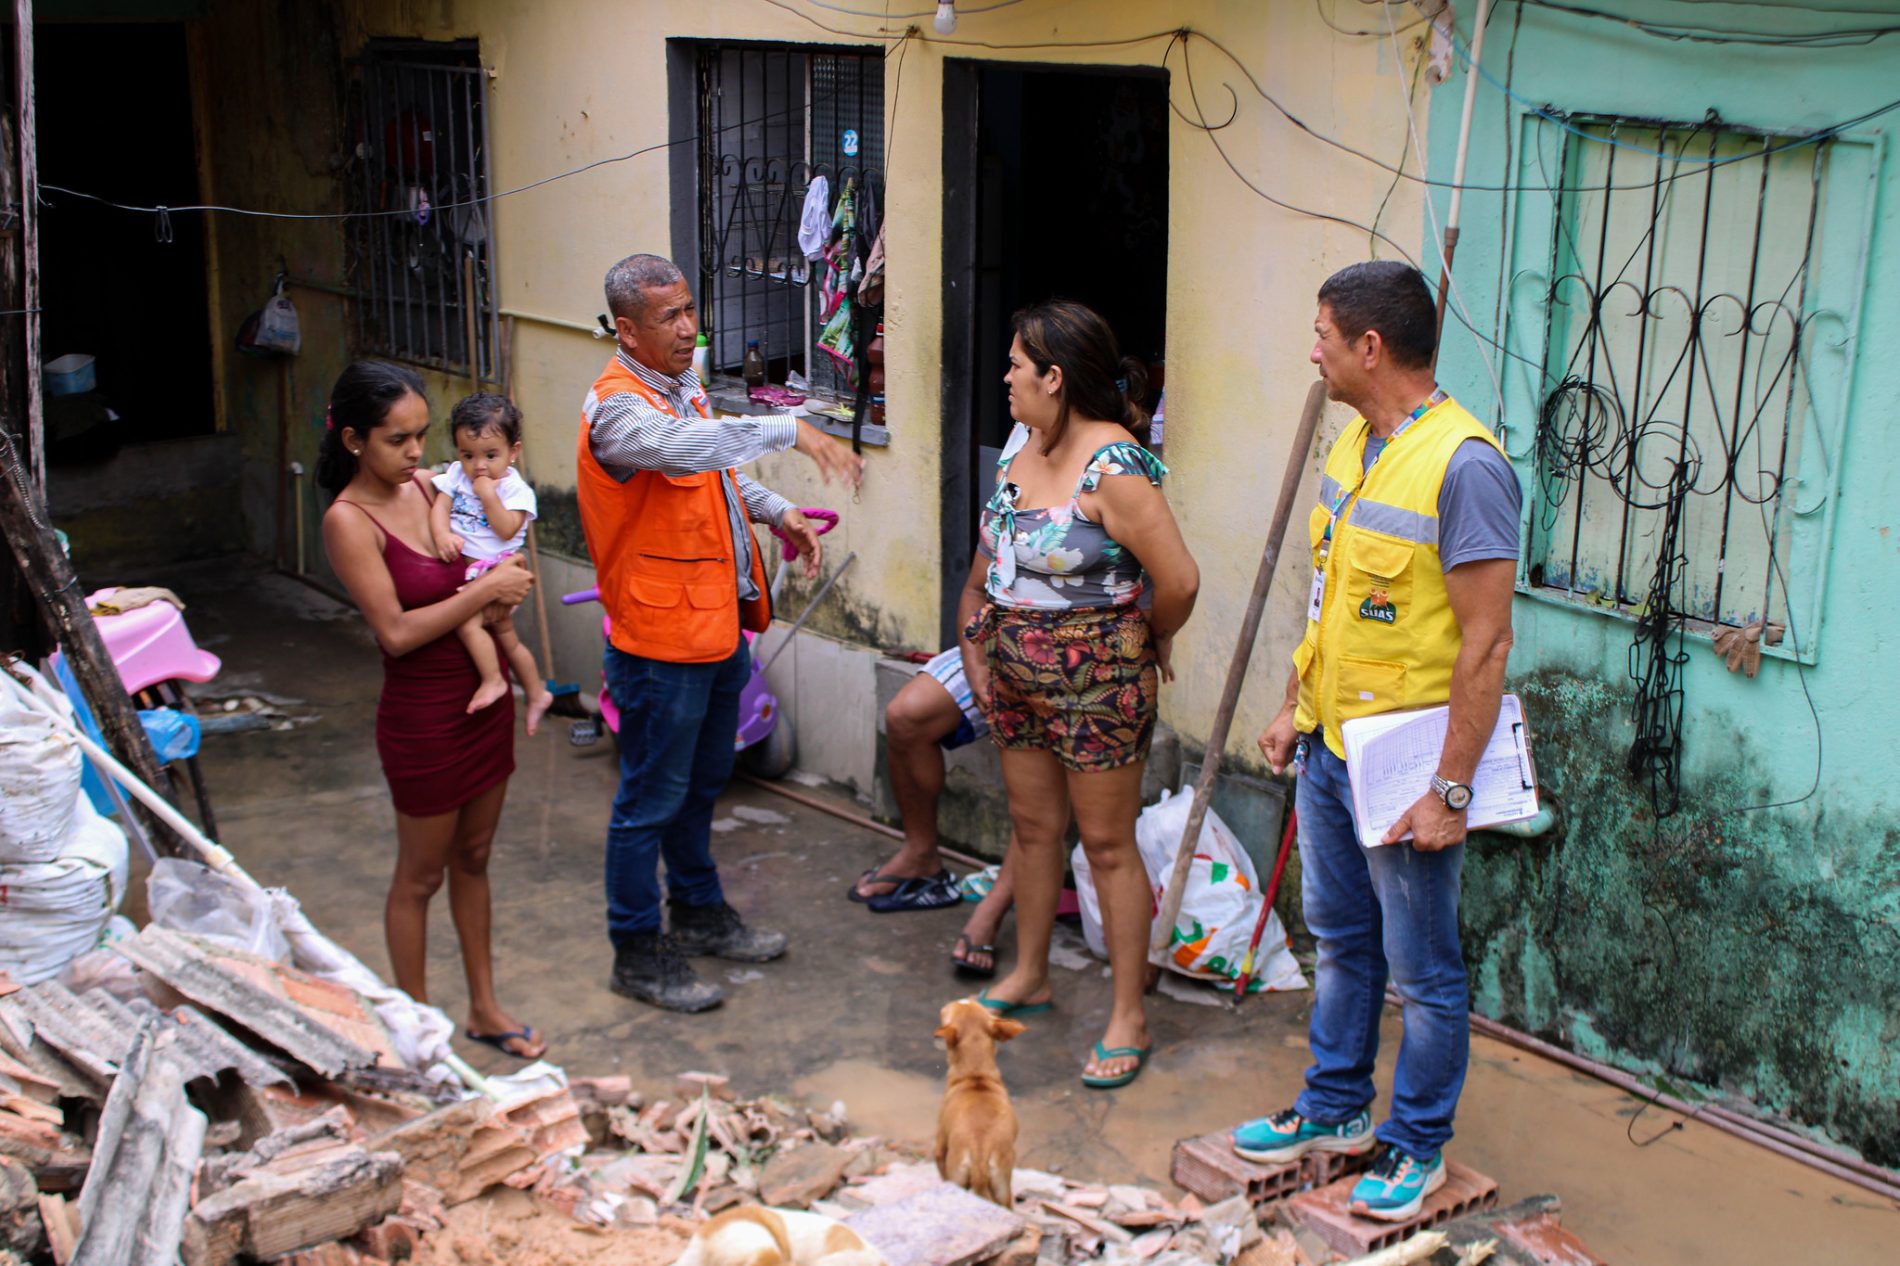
(1317, 601)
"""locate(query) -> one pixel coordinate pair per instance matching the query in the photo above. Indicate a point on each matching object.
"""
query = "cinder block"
(1208, 1167)
(1325, 1211)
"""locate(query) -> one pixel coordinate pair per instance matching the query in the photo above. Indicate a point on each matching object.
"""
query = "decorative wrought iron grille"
(423, 150)
(770, 119)
(1683, 302)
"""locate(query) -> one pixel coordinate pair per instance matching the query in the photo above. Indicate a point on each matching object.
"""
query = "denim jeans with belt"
(1373, 910)
(677, 725)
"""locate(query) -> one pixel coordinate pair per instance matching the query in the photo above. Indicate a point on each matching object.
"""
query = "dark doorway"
(1055, 186)
(114, 116)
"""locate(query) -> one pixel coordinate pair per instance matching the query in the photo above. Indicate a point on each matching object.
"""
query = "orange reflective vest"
(662, 548)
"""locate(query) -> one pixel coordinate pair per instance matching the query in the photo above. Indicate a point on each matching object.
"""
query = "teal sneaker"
(1396, 1186)
(1287, 1136)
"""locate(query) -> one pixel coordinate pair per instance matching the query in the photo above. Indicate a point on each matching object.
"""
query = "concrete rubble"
(213, 1107)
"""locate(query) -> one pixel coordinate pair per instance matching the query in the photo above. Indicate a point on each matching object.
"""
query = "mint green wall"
(1751, 949)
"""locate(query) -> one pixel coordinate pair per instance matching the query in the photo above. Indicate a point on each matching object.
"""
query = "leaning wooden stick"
(534, 547)
(49, 574)
(1237, 670)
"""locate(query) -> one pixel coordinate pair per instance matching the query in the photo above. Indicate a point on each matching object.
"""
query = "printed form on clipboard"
(1390, 760)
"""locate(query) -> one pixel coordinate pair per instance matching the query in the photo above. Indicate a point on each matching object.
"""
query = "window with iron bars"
(422, 258)
(1697, 313)
(771, 118)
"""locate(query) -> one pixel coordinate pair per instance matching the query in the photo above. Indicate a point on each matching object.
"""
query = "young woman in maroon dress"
(447, 768)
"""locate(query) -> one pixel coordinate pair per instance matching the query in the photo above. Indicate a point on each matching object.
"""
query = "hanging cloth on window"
(871, 289)
(837, 340)
(814, 222)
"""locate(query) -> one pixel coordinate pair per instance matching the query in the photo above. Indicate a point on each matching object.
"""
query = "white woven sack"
(39, 777)
(52, 912)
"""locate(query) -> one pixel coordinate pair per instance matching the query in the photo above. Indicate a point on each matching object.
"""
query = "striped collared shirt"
(627, 434)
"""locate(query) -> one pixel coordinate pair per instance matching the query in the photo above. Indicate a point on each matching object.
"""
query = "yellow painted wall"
(576, 82)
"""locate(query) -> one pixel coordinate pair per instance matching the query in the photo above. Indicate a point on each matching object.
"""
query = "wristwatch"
(1456, 795)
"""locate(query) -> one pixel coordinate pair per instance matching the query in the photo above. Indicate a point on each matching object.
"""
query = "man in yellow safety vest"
(1414, 547)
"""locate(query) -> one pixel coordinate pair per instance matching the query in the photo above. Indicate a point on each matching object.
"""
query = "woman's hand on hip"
(1164, 655)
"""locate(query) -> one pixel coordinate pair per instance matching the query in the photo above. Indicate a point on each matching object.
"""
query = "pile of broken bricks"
(209, 1106)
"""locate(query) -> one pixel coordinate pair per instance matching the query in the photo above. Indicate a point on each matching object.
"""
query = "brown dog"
(976, 1127)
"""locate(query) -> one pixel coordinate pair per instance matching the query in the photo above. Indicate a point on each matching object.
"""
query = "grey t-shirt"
(1478, 504)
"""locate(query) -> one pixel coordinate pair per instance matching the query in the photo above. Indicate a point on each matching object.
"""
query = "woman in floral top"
(1087, 581)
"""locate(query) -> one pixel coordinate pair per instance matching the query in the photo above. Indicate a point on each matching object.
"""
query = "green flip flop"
(1006, 1008)
(1137, 1053)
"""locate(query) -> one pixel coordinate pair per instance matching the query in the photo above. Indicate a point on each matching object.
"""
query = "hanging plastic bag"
(273, 330)
(186, 896)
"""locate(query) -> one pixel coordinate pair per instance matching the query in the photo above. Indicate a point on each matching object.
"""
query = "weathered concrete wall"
(1241, 273)
(1752, 941)
(267, 82)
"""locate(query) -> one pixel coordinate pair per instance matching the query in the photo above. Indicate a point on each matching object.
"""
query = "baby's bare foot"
(489, 692)
(538, 706)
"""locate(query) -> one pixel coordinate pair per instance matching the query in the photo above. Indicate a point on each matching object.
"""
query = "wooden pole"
(29, 236)
(1450, 246)
(51, 577)
(542, 636)
(1237, 668)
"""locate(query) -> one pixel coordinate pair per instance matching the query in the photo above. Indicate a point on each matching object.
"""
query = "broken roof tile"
(242, 990)
(132, 1209)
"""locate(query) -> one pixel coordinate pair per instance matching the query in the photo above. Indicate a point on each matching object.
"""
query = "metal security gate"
(770, 119)
(424, 256)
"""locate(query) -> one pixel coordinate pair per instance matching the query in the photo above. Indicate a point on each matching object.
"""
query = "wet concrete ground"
(848, 1013)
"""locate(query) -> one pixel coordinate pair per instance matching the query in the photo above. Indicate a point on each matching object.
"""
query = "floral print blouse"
(1058, 559)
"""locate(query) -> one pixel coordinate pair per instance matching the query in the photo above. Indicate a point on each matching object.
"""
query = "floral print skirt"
(1080, 684)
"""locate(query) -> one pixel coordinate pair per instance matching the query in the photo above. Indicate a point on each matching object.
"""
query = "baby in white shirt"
(481, 517)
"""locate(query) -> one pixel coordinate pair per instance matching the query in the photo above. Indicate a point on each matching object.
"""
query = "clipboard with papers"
(1390, 760)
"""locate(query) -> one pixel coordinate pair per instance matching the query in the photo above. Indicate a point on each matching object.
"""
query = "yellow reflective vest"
(1385, 637)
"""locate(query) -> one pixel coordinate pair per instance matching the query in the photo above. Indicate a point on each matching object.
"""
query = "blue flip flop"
(923, 892)
(500, 1040)
(1137, 1053)
(1006, 1008)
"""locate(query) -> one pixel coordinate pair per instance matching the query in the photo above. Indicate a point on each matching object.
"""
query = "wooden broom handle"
(1237, 670)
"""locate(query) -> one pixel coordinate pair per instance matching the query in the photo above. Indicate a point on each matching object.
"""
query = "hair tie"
(329, 423)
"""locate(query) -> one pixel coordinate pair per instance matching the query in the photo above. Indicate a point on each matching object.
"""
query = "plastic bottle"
(875, 355)
(702, 357)
(754, 364)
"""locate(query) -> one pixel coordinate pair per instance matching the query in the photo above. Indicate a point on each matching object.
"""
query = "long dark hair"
(360, 402)
(1097, 380)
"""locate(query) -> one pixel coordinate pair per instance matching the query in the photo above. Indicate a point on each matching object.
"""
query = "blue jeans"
(677, 725)
(1374, 909)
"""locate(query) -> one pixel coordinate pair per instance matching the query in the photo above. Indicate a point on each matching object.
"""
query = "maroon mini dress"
(436, 755)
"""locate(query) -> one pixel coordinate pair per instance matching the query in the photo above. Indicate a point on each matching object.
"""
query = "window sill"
(733, 401)
(1695, 629)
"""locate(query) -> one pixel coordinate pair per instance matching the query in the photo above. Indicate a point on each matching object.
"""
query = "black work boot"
(648, 967)
(718, 932)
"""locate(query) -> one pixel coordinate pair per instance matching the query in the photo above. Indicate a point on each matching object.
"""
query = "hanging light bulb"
(946, 20)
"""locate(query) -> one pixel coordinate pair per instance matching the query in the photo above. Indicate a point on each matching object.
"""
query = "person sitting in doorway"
(934, 713)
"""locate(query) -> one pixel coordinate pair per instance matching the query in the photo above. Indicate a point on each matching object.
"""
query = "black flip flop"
(968, 969)
(500, 1041)
(870, 876)
(927, 892)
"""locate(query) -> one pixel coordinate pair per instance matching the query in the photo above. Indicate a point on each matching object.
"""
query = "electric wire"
(1845, 37)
